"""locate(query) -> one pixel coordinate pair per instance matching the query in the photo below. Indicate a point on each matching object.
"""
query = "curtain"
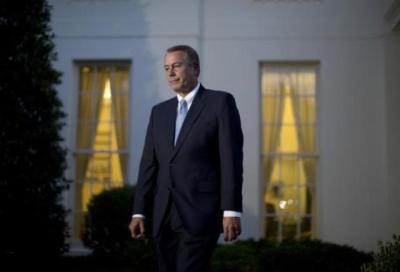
(273, 98)
(273, 103)
(91, 95)
(92, 83)
(302, 90)
(272, 114)
(119, 91)
(297, 84)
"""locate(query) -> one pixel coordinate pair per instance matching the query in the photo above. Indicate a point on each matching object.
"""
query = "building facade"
(317, 87)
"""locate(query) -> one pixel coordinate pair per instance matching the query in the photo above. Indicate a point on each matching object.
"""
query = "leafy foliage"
(106, 230)
(32, 159)
(106, 233)
(315, 255)
(387, 259)
(242, 256)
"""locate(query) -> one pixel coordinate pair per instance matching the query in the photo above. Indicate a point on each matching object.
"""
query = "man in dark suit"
(191, 171)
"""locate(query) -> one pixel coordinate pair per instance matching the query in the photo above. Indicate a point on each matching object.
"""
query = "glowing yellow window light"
(104, 169)
(289, 158)
(287, 171)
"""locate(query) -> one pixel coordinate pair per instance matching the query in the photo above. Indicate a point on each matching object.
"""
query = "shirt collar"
(190, 96)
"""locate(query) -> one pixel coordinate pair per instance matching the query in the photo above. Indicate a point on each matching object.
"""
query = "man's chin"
(178, 90)
(175, 87)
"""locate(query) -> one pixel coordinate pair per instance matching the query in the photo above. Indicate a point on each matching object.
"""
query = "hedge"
(107, 234)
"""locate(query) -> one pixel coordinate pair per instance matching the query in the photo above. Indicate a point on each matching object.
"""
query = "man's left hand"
(231, 227)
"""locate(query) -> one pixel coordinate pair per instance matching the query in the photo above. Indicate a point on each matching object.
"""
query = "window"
(289, 149)
(101, 154)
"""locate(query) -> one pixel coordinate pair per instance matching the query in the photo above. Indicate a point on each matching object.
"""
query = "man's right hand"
(136, 228)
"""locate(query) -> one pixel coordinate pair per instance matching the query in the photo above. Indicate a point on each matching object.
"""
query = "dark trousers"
(178, 251)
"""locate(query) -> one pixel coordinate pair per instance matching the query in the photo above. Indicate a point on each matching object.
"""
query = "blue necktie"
(182, 111)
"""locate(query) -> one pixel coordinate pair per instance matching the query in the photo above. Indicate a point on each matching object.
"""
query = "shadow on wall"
(144, 86)
(97, 31)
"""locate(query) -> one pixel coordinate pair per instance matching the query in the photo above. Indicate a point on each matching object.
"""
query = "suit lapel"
(194, 111)
(170, 123)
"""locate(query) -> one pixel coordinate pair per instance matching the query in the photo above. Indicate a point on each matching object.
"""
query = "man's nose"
(171, 72)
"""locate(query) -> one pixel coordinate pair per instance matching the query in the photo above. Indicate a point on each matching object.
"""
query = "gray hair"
(191, 54)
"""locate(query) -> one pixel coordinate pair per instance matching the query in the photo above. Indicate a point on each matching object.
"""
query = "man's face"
(181, 76)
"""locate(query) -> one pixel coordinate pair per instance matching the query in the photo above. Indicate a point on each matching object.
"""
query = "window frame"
(316, 64)
(74, 116)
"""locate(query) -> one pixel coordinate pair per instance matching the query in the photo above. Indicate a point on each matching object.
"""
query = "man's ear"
(197, 70)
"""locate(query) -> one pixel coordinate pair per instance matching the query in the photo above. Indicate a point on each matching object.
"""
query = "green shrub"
(312, 255)
(106, 233)
(32, 157)
(249, 256)
(241, 256)
(387, 259)
(106, 230)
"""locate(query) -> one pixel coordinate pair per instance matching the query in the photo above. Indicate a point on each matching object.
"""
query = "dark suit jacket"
(203, 173)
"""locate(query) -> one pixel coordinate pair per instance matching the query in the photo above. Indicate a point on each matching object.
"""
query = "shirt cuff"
(232, 214)
(226, 214)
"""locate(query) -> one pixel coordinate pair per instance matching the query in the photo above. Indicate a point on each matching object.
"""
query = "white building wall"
(392, 86)
(232, 37)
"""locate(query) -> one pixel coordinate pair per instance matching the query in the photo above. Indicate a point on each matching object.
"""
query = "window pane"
(271, 228)
(309, 166)
(289, 153)
(289, 227)
(120, 81)
(121, 135)
(289, 201)
(271, 109)
(86, 107)
(305, 228)
(86, 80)
(101, 142)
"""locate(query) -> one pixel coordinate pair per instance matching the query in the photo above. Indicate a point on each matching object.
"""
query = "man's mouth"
(173, 81)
